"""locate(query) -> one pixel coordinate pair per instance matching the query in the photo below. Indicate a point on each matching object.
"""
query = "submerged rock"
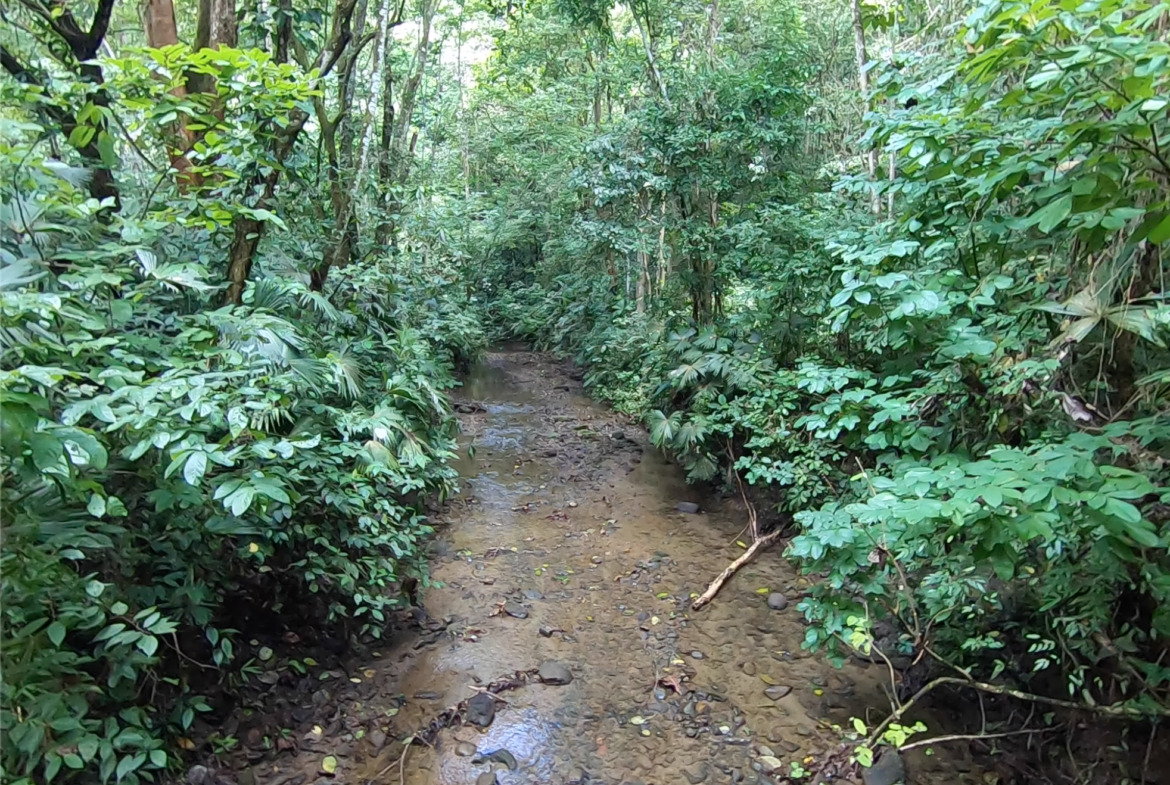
(887, 770)
(515, 609)
(501, 756)
(554, 673)
(481, 709)
(777, 601)
(778, 691)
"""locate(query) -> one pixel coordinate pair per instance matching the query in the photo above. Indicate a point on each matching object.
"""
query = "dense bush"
(180, 478)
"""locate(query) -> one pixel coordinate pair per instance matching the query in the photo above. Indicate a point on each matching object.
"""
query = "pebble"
(777, 601)
(687, 507)
(198, 775)
(554, 673)
(533, 594)
(377, 739)
(696, 775)
(803, 730)
(547, 632)
(465, 749)
(749, 668)
(697, 655)
(515, 609)
(596, 560)
(487, 778)
(777, 692)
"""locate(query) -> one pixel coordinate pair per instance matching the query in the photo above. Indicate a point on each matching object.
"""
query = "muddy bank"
(566, 549)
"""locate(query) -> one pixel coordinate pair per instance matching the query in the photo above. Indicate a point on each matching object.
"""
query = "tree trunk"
(247, 232)
(395, 162)
(863, 81)
(83, 45)
(216, 27)
(158, 21)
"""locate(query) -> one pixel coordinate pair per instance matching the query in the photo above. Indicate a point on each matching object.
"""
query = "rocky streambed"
(560, 647)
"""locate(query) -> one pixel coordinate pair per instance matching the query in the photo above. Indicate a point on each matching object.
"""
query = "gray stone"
(515, 609)
(554, 673)
(501, 756)
(778, 691)
(198, 775)
(377, 738)
(465, 749)
(533, 594)
(688, 507)
(481, 709)
(777, 601)
(887, 770)
(487, 778)
(697, 774)
(749, 668)
(769, 764)
(697, 655)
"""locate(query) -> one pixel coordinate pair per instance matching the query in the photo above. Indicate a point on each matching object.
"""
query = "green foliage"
(960, 400)
(174, 470)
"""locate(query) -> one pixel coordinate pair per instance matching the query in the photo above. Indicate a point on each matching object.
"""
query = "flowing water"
(565, 546)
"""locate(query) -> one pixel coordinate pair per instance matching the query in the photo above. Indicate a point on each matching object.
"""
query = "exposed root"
(732, 568)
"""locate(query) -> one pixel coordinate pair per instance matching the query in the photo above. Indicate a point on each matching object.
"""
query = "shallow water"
(569, 512)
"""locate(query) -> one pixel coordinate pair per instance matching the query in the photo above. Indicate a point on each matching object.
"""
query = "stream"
(567, 549)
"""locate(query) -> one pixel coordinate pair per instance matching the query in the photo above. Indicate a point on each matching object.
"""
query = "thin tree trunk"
(863, 81)
(247, 232)
(651, 60)
(395, 162)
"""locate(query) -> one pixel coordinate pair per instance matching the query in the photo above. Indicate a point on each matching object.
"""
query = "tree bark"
(158, 21)
(217, 27)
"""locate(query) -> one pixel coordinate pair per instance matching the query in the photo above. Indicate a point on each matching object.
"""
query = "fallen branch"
(732, 568)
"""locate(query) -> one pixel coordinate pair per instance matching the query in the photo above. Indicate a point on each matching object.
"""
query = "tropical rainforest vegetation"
(892, 270)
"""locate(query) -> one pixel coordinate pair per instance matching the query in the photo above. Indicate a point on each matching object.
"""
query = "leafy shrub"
(176, 475)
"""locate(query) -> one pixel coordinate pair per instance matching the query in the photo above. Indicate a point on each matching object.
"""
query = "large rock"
(887, 770)
(554, 673)
(481, 709)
